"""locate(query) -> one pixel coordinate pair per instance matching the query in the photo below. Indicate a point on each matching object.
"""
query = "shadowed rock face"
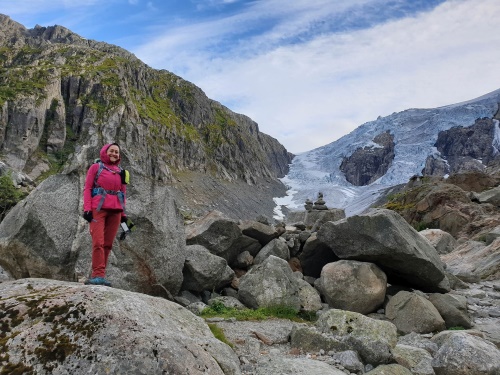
(464, 149)
(368, 164)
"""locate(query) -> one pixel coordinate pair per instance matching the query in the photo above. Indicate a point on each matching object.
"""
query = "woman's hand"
(87, 215)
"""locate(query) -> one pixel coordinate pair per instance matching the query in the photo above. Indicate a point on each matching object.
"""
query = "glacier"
(415, 133)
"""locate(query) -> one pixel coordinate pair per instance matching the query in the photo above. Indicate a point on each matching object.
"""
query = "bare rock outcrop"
(464, 149)
(442, 241)
(475, 260)
(368, 164)
(44, 236)
(60, 327)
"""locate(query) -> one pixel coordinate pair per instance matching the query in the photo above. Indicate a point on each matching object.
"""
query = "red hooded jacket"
(108, 181)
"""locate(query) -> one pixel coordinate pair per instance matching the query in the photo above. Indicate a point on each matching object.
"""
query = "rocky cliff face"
(465, 149)
(63, 96)
(369, 163)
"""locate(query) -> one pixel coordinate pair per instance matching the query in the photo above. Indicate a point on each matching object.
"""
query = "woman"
(104, 208)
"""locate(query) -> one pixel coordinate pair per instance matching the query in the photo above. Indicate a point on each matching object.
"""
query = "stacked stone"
(308, 205)
(320, 203)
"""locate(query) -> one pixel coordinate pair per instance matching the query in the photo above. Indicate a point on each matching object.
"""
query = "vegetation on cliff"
(59, 91)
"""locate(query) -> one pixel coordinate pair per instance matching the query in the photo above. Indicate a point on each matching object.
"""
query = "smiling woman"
(104, 208)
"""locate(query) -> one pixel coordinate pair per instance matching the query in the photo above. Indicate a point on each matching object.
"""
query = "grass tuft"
(218, 309)
(219, 334)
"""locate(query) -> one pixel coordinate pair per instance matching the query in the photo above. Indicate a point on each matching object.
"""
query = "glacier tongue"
(415, 133)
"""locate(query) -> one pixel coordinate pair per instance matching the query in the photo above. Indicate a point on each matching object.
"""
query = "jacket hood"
(105, 158)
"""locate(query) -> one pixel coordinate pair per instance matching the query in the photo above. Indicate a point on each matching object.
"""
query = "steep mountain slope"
(63, 96)
(415, 133)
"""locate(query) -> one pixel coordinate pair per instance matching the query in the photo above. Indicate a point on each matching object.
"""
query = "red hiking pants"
(103, 231)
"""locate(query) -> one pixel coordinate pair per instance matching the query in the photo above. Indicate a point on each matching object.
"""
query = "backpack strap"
(97, 190)
(99, 171)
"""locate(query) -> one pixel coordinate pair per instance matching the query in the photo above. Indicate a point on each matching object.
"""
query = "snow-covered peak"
(415, 132)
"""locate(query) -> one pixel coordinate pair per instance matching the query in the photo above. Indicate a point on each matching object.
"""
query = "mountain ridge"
(63, 96)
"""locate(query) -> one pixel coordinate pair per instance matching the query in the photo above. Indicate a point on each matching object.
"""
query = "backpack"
(124, 174)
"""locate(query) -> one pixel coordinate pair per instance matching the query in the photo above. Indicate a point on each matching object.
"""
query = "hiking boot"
(97, 281)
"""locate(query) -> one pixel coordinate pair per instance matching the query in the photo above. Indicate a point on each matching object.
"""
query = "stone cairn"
(319, 205)
(308, 205)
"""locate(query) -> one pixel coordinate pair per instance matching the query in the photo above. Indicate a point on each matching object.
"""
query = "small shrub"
(9, 195)
(420, 226)
(457, 328)
(217, 309)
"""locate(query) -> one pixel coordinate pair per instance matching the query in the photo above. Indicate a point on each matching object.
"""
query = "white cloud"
(310, 94)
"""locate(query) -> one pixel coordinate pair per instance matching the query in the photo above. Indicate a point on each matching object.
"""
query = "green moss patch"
(66, 329)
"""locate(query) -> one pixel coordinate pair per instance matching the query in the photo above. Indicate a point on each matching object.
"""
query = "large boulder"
(442, 241)
(474, 260)
(392, 369)
(217, 233)
(491, 196)
(461, 353)
(315, 219)
(294, 366)
(276, 247)
(204, 270)
(308, 338)
(352, 285)
(37, 235)
(270, 283)
(259, 231)
(411, 312)
(418, 341)
(309, 297)
(54, 327)
(372, 339)
(349, 360)
(417, 360)
(383, 237)
(45, 236)
(245, 243)
(453, 309)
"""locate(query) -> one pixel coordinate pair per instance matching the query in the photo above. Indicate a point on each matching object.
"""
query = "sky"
(307, 71)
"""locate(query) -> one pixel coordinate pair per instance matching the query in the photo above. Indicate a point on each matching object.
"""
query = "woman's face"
(113, 153)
